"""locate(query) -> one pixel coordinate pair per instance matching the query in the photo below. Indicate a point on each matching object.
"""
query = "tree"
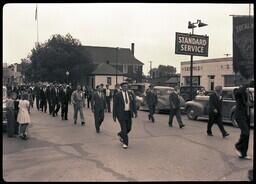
(164, 71)
(49, 61)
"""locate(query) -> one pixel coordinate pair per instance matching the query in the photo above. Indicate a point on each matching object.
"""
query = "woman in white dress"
(23, 116)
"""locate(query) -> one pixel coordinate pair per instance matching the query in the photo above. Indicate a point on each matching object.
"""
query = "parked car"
(4, 108)
(163, 103)
(185, 92)
(199, 107)
(139, 90)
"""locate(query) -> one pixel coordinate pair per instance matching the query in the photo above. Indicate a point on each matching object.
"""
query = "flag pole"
(36, 17)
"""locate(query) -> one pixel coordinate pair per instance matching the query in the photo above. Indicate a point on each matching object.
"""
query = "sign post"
(190, 44)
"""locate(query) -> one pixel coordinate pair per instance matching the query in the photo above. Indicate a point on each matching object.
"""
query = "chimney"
(132, 48)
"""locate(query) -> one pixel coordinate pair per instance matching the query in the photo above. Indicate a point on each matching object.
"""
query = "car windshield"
(163, 92)
(138, 89)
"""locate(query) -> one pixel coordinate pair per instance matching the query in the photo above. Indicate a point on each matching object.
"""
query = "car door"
(228, 103)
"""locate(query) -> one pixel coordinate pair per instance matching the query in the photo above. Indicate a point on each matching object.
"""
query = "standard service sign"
(188, 44)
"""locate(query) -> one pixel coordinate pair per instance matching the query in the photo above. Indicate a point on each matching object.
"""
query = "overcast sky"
(151, 27)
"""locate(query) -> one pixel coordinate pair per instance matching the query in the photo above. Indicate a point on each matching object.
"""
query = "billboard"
(243, 45)
(188, 44)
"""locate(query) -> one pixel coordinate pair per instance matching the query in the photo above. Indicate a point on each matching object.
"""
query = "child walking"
(23, 117)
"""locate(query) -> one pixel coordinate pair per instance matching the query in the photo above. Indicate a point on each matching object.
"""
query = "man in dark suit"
(242, 115)
(48, 98)
(43, 103)
(215, 112)
(64, 97)
(54, 100)
(37, 94)
(98, 105)
(124, 108)
(175, 108)
(151, 98)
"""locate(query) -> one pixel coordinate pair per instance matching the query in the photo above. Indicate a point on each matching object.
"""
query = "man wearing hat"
(98, 105)
(215, 112)
(151, 98)
(124, 108)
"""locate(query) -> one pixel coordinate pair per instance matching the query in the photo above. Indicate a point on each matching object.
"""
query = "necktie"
(126, 97)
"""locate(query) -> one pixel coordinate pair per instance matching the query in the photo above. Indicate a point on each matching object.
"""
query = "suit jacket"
(53, 96)
(42, 95)
(174, 101)
(215, 103)
(63, 96)
(241, 101)
(151, 98)
(98, 103)
(119, 105)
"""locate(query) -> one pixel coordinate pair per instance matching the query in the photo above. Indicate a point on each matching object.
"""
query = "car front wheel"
(233, 119)
(191, 113)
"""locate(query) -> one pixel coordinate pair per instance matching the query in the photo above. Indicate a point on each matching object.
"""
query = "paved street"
(61, 151)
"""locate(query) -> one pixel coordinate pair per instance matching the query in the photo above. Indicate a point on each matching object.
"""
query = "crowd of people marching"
(57, 97)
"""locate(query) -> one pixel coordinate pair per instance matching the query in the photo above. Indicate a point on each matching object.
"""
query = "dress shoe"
(182, 125)
(209, 134)
(225, 135)
(66, 118)
(148, 117)
(170, 125)
(125, 146)
(245, 157)
(152, 119)
(83, 123)
(97, 131)
(75, 122)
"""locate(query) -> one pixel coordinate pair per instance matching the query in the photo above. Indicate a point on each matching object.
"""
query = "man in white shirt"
(124, 108)
(108, 98)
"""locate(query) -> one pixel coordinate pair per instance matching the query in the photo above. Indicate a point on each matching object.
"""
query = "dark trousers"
(152, 109)
(175, 112)
(88, 102)
(56, 108)
(99, 118)
(43, 105)
(37, 103)
(108, 99)
(215, 118)
(50, 105)
(126, 126)
(64, 111)
(23, 128)
(243, 122)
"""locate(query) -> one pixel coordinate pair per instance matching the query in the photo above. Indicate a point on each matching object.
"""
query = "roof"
(105, 69)
(100, 55)
(208, 60)
(173, 80)
(163, 87)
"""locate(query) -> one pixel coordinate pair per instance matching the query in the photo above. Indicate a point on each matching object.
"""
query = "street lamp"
(116, 62)
(67, 74)
(192, 26)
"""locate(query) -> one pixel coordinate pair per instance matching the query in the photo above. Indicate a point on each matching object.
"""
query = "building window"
(125, 67)
(120, 68)
(130, 69)
(109, 81)
(211, 76)
(229, 80)
(195, 80)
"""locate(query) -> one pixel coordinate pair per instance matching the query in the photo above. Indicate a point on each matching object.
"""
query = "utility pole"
(150, 71)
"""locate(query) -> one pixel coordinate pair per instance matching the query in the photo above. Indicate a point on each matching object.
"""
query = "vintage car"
(163, 103)
(4, 108)
(185, 91)
(199, 107)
